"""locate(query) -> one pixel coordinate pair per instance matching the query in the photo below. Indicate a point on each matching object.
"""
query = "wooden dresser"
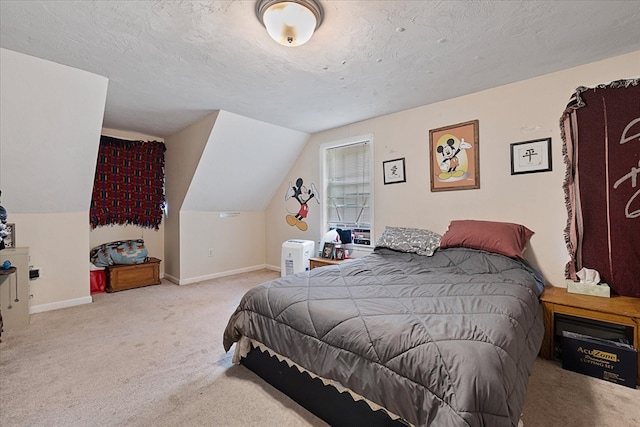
(120, 277)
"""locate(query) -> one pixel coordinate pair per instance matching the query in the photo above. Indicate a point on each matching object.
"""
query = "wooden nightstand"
(618, 310)
(323, 262)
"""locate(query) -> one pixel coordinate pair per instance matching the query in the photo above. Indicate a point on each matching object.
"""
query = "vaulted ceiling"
(170, 63)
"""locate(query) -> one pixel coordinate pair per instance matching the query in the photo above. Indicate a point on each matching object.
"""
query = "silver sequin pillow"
(422, 242)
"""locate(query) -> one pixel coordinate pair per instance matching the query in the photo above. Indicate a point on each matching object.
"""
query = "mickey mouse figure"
(302, 195)
(451, 161)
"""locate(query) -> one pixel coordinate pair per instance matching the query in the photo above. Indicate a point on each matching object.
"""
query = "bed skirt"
(324, 398)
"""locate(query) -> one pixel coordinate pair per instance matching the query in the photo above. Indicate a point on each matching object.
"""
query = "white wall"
(184, 150)
(50, 123)
(223, 162)
(522, 111)
(59, 248)
(237, 244)
(48, 134)
(242, 164)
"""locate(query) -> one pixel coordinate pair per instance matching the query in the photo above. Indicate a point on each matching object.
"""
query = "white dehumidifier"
(295, 256)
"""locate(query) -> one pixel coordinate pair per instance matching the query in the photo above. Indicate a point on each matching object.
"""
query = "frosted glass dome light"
(290, 23)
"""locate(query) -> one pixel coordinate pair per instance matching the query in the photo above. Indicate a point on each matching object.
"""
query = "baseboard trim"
(60, 304)
(199, 279)
(170, 278)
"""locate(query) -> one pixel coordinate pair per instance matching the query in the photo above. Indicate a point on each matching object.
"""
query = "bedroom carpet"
(153, 356)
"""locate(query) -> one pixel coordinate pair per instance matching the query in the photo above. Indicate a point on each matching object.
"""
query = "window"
(348, 189)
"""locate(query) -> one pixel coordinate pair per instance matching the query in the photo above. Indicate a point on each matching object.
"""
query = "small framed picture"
(327, 250)
(10, 240)
(394, 171)
(340, 253)
(531, 156)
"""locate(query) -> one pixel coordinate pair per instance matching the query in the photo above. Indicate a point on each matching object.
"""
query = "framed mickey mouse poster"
(454, 154)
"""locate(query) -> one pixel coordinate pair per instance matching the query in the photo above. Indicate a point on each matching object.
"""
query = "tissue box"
(601, 290)
(608, 360)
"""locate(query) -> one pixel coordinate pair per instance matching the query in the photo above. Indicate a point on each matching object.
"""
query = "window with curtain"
(348, 195)
(128, 187)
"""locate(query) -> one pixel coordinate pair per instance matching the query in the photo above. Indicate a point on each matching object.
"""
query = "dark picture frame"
(454, 153)
(327, 250)
(531, 156)
(340, 253)
(394, 171)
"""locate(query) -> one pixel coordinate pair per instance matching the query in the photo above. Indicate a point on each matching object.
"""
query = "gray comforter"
(446, 340)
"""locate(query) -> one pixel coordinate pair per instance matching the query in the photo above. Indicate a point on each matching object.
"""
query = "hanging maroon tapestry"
(601, 134)
(129, 183)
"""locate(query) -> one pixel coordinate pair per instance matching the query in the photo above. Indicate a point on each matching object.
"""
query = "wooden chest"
(120, 277)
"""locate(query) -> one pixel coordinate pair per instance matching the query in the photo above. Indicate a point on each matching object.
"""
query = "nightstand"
(619, 310)
(323, 262)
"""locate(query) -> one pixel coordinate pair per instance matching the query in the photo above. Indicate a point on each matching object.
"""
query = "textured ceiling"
(170, 63)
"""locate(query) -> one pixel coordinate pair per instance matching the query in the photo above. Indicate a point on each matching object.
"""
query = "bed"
(427, 329)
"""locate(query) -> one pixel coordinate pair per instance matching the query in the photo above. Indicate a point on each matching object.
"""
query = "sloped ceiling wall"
(47, 170)
(49, 134)
(242, 165)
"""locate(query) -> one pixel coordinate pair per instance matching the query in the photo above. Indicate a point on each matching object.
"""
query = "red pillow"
(500, 237)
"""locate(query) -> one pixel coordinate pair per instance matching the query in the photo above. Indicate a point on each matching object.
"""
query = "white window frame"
(324, 226)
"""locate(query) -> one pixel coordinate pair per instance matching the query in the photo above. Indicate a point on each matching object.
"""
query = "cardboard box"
(608, 360)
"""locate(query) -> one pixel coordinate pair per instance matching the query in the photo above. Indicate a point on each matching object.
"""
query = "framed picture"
(455, 160)
(394, 171)
(340, 253)
(531, 156)
(10, 240)
(327, 250)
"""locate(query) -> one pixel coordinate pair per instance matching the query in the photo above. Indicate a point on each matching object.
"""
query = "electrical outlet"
(210, 252)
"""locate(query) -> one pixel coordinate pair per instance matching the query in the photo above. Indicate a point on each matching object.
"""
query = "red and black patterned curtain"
(601, 134)
(129, 183)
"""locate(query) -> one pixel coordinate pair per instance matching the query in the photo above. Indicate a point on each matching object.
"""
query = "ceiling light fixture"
(290, 23)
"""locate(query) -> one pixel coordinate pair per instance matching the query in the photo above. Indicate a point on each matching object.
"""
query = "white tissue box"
(600, 290)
